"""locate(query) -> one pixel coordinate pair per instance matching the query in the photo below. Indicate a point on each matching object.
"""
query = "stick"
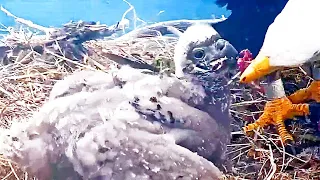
(29, 23)
(166, 27)
(273, 164)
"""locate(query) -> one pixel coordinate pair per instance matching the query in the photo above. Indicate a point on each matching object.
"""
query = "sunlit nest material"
(29, 75)
(29, 71)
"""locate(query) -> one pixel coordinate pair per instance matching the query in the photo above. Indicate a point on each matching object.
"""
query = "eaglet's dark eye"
(199, 54)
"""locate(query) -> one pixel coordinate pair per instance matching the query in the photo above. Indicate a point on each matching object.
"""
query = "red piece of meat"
(243, 62)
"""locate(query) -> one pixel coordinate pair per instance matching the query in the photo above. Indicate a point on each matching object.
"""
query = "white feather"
(293, 38)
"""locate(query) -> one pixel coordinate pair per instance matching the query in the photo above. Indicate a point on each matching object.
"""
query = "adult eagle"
(287, 44)
(247, 25)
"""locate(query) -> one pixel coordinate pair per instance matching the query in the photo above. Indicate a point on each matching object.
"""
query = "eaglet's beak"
(258, 68)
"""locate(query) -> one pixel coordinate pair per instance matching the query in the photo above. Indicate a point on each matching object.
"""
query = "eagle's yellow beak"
(258, 68)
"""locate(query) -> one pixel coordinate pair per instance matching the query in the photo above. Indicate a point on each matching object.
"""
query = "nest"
(33, 63)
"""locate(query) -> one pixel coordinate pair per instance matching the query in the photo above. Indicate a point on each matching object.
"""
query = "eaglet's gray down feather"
(128, 124)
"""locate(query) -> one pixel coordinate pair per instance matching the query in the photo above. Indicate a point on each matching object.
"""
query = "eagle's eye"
(198, 54)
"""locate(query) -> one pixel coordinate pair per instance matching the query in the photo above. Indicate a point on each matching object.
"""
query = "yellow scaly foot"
(275, 113)
(310, 93)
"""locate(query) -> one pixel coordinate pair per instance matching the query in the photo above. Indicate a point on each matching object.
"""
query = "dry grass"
(263, 156)
(25, 87)
(26, 83)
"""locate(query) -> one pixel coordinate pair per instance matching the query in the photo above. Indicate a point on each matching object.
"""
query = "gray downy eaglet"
(127, 124)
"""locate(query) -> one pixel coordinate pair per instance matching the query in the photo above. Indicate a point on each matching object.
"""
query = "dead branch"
(166, 27)
(29, 23)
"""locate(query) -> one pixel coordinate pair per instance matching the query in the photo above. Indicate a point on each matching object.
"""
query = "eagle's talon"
(290, 148)
(314, 91)
(275, 113)
(260, 123)
(310, 93)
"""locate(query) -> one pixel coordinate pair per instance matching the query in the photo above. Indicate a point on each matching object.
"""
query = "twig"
(273, 164)
(70, 61)
(163, 27)
(247, 103)
(232, 145)
(135, 17)
(29, 23)
(237, 133)
(8, 93)
(8, 175)
(238, 149)
(13, 171)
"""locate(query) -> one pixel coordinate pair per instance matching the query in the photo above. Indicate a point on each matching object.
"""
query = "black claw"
(290, 148)
(314, 109)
